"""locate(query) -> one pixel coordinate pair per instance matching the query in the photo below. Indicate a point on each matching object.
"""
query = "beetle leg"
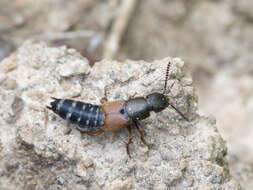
(96, 133)
(139, 129)
(68, 130)
(129, 140)
(104, 99)
(46, 117)
(132, 96)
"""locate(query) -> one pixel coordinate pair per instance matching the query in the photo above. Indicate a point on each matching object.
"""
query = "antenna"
(164, 89)
(166, 77)
(180, 113)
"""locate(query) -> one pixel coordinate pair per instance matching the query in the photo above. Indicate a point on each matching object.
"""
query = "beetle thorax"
(137, 108)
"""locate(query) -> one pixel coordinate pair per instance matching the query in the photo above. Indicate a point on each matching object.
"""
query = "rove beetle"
(109, 116)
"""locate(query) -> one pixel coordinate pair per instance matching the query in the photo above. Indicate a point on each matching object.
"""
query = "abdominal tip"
(48, 107)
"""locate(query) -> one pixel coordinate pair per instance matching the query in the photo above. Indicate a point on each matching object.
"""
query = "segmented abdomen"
(88, 117)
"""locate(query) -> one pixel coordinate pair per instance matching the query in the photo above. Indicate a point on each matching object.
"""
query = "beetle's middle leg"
(139, 129)
(46, 117)
(129, 140)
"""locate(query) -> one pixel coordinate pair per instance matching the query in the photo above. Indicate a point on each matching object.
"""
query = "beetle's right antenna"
(166, 77)
(180, 113)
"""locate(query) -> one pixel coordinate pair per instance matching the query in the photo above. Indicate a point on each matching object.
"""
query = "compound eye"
(122, 111)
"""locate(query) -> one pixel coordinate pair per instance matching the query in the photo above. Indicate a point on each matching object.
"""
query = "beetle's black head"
(157, 102)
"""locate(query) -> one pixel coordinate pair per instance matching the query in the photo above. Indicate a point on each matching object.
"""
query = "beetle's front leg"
(139, 129)
(129, 140)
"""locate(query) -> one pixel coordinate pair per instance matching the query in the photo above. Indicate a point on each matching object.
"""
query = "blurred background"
(213, 37)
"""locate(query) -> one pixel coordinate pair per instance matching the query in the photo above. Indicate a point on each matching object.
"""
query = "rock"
(37, 154)
(234, 119)
(9, 84)
(7, 66)
(75, 67)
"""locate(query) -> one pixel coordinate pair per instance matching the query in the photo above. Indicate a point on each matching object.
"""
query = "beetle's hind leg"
(94, 133)
(68, 130)
(129, 140)
(139, 129)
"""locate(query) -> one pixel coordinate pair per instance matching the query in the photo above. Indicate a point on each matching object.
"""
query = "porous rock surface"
(36, 152)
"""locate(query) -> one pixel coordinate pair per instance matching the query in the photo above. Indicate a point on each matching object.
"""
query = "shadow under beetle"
(110, 116)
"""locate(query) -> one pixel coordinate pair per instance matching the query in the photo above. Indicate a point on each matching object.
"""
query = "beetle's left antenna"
(164, 89)
(166, 77)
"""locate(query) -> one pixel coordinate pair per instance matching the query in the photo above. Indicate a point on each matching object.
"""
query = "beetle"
(111, 116)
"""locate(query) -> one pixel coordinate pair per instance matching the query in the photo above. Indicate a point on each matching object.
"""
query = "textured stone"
(36, 153)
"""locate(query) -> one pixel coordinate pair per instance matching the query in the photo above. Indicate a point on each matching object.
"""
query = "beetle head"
(157, 102)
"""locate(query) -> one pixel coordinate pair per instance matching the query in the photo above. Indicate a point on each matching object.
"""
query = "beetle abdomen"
(88, 117)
